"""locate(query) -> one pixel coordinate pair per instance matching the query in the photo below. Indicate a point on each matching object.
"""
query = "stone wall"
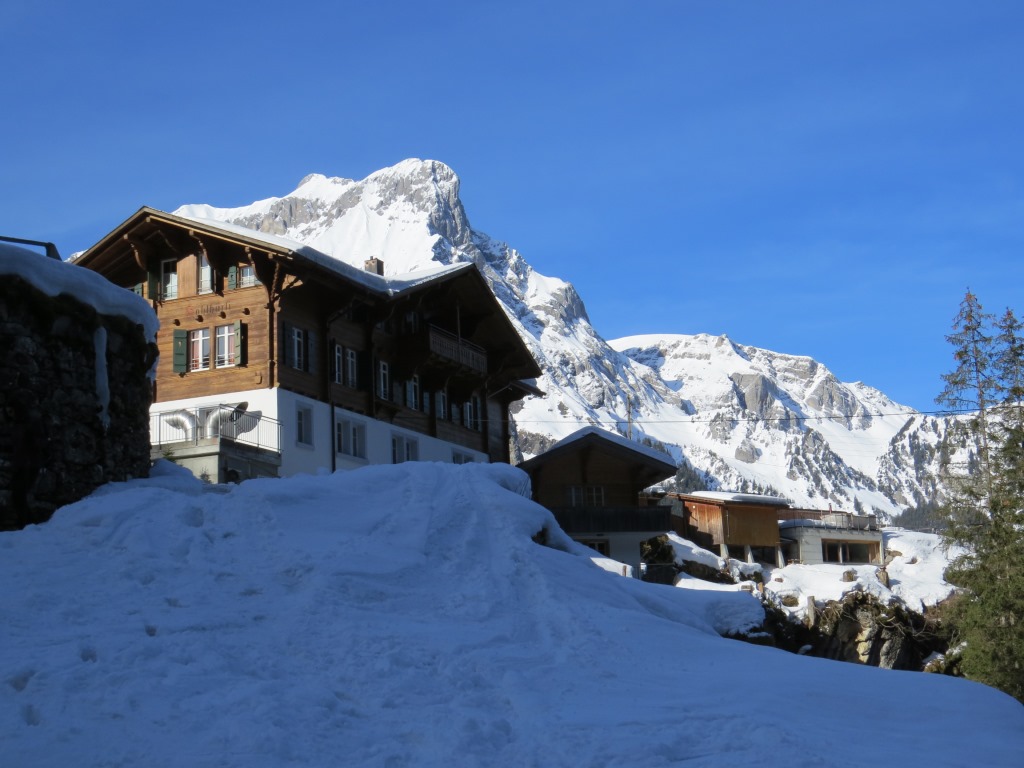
(74, 401)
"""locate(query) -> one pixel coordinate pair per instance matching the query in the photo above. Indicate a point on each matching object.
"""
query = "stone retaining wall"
(74, 401)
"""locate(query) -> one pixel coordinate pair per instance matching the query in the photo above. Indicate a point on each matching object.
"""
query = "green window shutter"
(139, 288)
(153, 285)
(239, 343)
(232, 278)
(179, 351)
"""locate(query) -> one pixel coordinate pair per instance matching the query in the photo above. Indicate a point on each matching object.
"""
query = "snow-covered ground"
(403, 616)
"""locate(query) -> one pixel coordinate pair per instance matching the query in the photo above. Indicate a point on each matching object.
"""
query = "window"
(297, 346)
(471, 413)
(246, 276)
(442, 404)
(412, 393)
(199, 350)
(169, 279)
(346, 366)
(242, 277)
(403, 449)
(351, 438)
(204, 276)
(226, 346)
(383, 380)
(459, 457)
(351, 368)
(586, 495)
(304, 425)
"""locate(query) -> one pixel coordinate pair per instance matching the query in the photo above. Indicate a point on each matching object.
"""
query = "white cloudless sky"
(816, 179)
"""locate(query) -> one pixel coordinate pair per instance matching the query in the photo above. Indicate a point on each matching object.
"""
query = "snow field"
(403, 616)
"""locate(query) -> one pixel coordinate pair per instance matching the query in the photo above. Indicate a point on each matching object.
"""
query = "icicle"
(99, 341)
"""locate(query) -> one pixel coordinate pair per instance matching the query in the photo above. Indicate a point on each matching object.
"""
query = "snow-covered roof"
(613, 437)
(390, 286)
(54, 278)
(741, 498)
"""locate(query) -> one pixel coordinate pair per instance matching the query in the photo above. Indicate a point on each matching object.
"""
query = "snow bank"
(403, 616)
(54, 277)
(918, 561)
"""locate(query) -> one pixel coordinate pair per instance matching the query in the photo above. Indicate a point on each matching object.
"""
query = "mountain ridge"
(740, 417)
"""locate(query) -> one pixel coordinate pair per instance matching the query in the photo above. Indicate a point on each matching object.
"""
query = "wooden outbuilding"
(739, 525)
(592, 481)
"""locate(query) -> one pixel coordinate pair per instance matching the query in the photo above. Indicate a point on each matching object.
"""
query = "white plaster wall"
(297, 458)
(809, 541)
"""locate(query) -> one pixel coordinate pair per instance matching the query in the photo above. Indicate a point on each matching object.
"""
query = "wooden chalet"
(276, 358)
(592, 481)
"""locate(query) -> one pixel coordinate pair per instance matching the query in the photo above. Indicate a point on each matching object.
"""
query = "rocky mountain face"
(733, 417)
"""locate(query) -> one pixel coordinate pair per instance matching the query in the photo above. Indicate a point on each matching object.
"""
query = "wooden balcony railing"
(612, 519)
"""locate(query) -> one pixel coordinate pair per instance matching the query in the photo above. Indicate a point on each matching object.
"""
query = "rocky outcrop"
(861, 629)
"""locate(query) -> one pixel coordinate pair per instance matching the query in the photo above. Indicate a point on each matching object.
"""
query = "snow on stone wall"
(74, 397)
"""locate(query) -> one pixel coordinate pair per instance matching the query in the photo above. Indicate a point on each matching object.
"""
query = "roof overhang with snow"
(650, 466)
(149, 234)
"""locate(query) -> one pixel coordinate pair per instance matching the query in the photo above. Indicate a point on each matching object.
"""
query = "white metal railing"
(211, 423)
(829, 519)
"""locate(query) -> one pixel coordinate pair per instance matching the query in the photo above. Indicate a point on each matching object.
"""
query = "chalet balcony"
(214, 424)
(442, 349)
(612, 519)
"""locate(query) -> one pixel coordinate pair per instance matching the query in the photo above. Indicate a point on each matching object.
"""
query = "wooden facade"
(592, 482)
(729, 522)
(240, 311)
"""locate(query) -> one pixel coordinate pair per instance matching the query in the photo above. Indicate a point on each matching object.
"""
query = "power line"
(696, 420)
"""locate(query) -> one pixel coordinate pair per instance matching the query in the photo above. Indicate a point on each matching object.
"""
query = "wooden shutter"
(239, 342)
(232, 278)
(153, 285)
(286, 345)
(311, 352)
(179, 350)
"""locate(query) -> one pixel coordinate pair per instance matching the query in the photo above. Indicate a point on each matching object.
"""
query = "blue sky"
(814, 178)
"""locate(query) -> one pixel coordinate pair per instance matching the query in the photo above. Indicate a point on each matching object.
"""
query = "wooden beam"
(141, 250)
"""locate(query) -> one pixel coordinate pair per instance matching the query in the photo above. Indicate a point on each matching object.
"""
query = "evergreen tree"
(986, 505)
(971, 385)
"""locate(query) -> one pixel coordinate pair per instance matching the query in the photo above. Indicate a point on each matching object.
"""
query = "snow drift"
(404, 616)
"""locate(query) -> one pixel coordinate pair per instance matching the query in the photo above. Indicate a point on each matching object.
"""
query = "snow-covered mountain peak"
(746, 419)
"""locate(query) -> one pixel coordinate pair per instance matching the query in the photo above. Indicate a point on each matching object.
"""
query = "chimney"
(374, 265)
